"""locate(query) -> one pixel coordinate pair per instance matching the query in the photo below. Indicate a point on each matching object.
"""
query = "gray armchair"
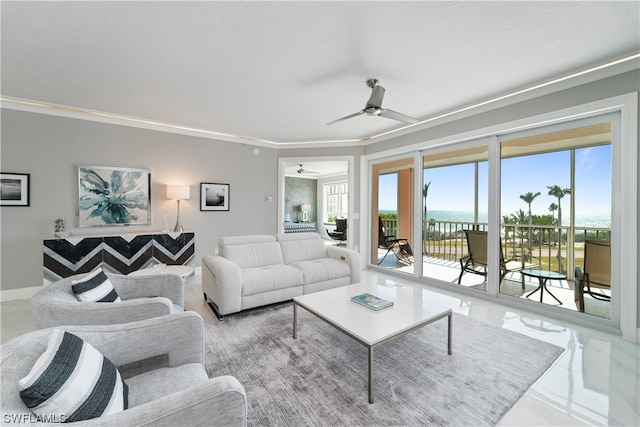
(178, 394)
(143, 297)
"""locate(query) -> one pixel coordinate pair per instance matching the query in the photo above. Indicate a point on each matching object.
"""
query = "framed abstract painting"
(214, 197)
(112, 196)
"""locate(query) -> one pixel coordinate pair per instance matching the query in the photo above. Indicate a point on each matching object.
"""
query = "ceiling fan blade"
(377, 95)
(346, 117)
(394, 115)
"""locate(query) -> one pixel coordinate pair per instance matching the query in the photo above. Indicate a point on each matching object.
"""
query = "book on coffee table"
(371, 301)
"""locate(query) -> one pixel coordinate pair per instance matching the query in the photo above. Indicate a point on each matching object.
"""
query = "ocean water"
(587, 220)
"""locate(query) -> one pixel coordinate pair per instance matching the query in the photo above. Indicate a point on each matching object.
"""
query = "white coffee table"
(183, 271)
(409, 312)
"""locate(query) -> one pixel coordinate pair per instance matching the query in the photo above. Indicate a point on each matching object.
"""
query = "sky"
(452, 187)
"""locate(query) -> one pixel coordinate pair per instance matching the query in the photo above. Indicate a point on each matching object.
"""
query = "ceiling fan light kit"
(373, 107)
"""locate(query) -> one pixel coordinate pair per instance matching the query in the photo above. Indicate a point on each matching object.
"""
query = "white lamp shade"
(180, 192)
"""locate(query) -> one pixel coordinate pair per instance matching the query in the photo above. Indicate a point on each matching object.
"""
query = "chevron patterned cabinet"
(115, 253)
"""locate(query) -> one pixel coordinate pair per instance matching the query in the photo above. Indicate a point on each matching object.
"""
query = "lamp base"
(178, 228)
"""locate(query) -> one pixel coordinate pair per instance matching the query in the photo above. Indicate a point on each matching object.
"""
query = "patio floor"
(449, 271)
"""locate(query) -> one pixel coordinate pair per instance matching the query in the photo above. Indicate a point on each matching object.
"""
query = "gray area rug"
(320, 379)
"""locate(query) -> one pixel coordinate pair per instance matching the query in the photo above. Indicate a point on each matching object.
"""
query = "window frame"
(625, 197)
(340, 195)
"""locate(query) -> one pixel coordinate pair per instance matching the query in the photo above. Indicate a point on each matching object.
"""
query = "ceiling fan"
(301, 170)
(373, 107)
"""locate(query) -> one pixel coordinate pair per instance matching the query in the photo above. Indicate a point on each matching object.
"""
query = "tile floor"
(596, 381)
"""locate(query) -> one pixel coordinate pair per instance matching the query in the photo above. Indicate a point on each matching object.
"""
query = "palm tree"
(425, 192)
(529, 198)
(559, 193)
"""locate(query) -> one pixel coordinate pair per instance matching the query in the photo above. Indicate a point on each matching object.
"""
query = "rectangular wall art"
(14, 189)
(214, 197)
(110, 196)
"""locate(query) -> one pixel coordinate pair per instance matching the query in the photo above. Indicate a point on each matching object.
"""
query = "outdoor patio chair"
(340, 233)
(399, 246)
(475, 261)
(596, 274)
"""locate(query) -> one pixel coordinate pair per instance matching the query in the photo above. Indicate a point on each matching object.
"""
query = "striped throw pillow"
(72, 381)
(96, 287)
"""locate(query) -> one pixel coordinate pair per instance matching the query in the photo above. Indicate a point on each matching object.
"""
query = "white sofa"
(251, 271)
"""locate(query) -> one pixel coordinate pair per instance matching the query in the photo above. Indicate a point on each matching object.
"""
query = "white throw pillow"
(72, 381)
(96, 287)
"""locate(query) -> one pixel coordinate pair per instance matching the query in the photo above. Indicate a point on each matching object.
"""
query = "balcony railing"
(547, 247)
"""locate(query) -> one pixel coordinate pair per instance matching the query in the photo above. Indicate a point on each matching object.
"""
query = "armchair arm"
(350, 257)
(180, 336)
(157, 285)
(49, 313)
(221, 401)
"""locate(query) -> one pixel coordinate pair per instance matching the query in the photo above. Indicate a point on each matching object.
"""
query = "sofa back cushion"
(251, 251)
(301, 247)
(223, 242)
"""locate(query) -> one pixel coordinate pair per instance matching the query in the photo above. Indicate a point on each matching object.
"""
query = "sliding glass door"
(392, 215)
(556, 203)
(454, 215)
(554, 219)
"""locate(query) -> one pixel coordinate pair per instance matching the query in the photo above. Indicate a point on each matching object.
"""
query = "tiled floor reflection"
(596, 381)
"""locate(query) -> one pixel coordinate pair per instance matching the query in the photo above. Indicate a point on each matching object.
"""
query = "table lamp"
(305, 208)
(178, 192)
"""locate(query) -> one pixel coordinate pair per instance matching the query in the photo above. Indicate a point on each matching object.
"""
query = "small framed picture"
(214, 197)
(14, 189)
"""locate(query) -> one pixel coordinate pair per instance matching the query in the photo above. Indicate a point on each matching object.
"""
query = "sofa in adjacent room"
(251, 271)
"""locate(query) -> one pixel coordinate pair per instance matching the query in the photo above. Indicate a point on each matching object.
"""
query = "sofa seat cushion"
(158, 383)
(269, 278)
(319, 270)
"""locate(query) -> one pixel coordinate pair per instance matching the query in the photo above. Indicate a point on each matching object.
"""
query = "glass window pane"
(555, 196)
(454, 204)
(392, 215)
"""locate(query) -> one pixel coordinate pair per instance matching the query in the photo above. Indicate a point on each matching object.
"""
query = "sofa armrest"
(50, 313)
(222, 283)
(349, 256)
(221, 401)
(179, 335)
(158, 285)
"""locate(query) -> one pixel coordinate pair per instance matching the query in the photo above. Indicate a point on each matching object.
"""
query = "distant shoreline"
(588, 220)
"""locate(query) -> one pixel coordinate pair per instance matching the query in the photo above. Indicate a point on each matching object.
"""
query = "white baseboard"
(17, 294)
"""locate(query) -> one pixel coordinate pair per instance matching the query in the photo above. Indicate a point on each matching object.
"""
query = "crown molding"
(611, 68)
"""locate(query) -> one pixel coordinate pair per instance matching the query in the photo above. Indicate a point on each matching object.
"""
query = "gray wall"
(50, 147)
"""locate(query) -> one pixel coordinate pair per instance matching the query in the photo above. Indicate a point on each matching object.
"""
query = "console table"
(120, 254)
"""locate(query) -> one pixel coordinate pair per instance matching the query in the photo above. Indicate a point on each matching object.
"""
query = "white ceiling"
(279, 71)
